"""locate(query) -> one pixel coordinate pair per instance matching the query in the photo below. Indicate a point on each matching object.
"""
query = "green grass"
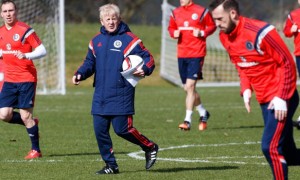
(69, 147)
(70, 151)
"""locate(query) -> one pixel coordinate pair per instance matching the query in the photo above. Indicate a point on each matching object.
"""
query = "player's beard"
(230, 28)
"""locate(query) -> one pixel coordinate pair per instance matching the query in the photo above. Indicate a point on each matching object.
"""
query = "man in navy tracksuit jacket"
(113, 100)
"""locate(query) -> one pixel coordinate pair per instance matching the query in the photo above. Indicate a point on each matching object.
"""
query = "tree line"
(149, 11)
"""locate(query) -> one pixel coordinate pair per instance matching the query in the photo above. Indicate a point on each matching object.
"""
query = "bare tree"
(87, 11)
(130, 8)
(149, 11)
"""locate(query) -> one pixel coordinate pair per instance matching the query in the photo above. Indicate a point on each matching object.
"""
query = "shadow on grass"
(81, 154)
(212, 168)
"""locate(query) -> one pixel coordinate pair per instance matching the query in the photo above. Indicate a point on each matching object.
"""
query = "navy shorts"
(190, 68)
(18, 95)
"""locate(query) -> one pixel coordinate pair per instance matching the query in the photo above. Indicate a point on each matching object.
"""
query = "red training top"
(23, 38)
(262, 59)
(185, 19)
(293, 18)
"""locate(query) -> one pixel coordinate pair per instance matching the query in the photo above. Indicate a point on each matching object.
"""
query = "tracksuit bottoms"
(123, 127)
(278, 144)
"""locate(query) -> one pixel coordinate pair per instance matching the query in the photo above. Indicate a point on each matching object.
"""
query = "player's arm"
(31, 38)
(245, 86)
(137, 47)
(290, 28)
(273, 45)
(210, 26)
(174, 32)
(37, 53)
(87, 69)
(245, 89)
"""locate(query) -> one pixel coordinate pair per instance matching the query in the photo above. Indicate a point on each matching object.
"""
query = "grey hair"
(109, 9)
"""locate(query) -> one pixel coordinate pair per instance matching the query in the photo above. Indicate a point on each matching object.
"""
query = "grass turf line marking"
(136, 155)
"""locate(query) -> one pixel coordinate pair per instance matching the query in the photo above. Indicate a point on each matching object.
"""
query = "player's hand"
(76, 79)
(294, 28)
(176, 33)
(20, 55)
(139, 72)
(280, 107)
(196, 32)
(247, 98)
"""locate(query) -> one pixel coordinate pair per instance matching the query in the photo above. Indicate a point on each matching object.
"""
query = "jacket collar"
(122, 28)
(188, 6)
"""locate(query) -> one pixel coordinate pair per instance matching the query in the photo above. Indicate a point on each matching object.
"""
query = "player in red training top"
(266, 67)
(17, 41)
(191, 24)
(292, 29)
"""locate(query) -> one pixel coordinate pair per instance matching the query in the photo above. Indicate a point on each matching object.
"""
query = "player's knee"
(5, 114)
(189, 88)
(5, 117)
(26, 118)
(184, 88)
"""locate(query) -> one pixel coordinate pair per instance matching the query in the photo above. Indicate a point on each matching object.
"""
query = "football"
(132, 62)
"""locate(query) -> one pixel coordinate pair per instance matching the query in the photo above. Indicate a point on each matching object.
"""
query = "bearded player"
(266, 67)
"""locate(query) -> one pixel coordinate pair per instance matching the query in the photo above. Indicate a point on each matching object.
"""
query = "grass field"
(228, 149)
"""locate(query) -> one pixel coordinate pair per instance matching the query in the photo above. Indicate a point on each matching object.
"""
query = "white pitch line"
(32, 161)
(136, 155)
(140, 155)
(41, 160)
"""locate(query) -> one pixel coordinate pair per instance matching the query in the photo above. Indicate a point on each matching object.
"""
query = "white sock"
(188, 116)
(201, 110)
(298, 119)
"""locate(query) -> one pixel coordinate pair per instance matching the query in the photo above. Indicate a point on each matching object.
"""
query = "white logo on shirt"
(8, 46)
(247, 64)
(16, 37)
(195, 16)
(117, 44)
(243, 58)
(186, 24)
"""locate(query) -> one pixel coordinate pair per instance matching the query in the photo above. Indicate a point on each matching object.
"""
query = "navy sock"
(16, 119)
(34, 137)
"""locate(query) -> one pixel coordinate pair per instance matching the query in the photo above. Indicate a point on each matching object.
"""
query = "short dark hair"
(227, 5)
(9, 1)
